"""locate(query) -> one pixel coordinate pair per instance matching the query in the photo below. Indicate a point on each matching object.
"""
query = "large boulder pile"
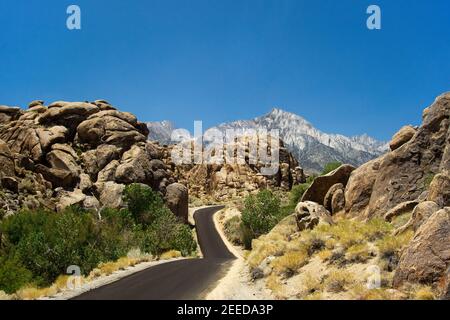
(404, 174)
(77, 153)
(222, 181)
(413, 178)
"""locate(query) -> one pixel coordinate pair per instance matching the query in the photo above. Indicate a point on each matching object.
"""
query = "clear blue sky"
(222, 60)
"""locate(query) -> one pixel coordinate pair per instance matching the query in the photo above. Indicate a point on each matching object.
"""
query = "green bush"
(167, 233)
(261, 212)
(144, 204)
(233, 230)
(37, 246)
(13, 275)
(331, 166)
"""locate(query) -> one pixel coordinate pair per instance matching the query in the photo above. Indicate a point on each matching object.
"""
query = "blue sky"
(222, 60)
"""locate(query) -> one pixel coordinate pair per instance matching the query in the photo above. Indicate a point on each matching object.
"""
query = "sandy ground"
(237, 283)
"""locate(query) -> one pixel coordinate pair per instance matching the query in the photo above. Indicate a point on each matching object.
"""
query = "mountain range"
(312, 147)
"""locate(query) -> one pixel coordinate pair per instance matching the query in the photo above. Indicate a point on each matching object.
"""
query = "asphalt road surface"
(188, 279)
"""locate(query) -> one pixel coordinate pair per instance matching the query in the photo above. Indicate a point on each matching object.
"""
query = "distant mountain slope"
(160, 131)
(312, 148)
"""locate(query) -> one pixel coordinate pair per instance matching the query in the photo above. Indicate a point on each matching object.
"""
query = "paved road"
(185, 279)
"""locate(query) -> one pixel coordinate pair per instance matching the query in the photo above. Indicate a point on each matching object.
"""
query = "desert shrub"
(359, 253)
(325, 254)
(167, 233)
(338, 281)
(289, 263)
(247, 236)
(261, 212)
(170, 255)
(391, 245)
(233, 230)
(311, 284)
(144, 204)
(424, 293)
(331, 166)
(37, 246)
(13, 275)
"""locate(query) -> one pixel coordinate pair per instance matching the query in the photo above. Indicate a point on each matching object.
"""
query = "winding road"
(187, 279)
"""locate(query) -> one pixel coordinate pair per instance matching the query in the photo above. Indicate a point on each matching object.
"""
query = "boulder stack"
(80, 153)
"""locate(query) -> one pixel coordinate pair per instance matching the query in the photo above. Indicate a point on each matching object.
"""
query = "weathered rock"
(109, 172)
(110, 127)
(427, 257)
(67, 114)
(63, 157)
(52, 135)
(10, 184)
(400, 209)
(329, 196)
(35, 103)
(134, 167)
(177, 200)
(85, 182)
(403, 136)
(67, 199)
(111, 194)
(401, 175)
(9, 113)
(439, 190)
(91, 203)
(57, 177)
(6, 160)
(96, 160)
(319, 188)
(309, 214)
(420, 214)
(338, 201)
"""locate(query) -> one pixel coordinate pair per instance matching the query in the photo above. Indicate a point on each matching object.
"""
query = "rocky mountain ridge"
(312, 147)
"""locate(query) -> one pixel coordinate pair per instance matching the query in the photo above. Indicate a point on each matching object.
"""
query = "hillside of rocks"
(224, 181)
(411, 183)
(82, 153)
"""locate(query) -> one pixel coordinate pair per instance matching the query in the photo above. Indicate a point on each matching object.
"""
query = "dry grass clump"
(424, 293)
(290, 262)
(352, 232)
(339, 280)
(360, 292)
(312, 284)
(391, 245)
(5, 296)
(263, 248)
(172, 254)
(33, 293)
(325, 255)
(358, 253)
(273, 283)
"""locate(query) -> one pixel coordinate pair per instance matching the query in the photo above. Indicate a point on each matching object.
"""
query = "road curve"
(188, 279)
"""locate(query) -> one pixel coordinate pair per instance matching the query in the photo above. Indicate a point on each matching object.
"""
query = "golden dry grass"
(289, 263)
(391, 245)
(339, 280)
(424, 293)
(325, 254)
(358, 253)
(170, 255)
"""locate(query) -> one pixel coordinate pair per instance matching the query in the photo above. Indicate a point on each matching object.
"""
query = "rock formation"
(414, 178)
(224, 180)
(81, 153)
